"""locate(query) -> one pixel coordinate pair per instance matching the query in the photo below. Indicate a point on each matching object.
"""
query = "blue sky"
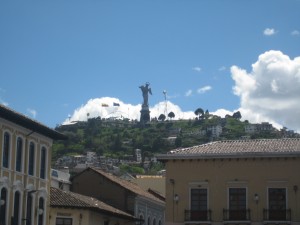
(56, 57)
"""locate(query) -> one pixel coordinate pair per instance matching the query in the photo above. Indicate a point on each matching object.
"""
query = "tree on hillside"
(161, 117)
(171, 115)
(237, 115)
(199, 112)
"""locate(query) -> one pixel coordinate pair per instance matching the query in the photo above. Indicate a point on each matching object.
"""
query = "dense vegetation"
(119, 138)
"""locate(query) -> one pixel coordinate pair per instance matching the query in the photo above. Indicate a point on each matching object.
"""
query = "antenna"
(166, 104)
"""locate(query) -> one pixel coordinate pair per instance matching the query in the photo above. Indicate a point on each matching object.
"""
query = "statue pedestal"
(145, 114)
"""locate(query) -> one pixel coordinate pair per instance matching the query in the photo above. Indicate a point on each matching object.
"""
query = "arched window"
(43, 163)
(17, 202)
(29, 209)
(19, 154)
(3, 206)
(159, 222)
(6, 145)
(41, 211)
(154, 221)
(149, 221)
(31, 159)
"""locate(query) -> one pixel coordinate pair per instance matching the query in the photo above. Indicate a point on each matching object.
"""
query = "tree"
(171, 115)
(161, 117)
(237, 115)
(199, 112)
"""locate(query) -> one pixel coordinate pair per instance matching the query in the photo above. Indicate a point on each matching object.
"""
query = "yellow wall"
(85, 217)
(257, 175)
(21, 181)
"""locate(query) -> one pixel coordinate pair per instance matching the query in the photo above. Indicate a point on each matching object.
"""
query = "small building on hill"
(69, 208)
(234, 182)
(121, 194)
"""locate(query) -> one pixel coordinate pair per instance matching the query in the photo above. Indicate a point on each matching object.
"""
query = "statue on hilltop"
(145, 90)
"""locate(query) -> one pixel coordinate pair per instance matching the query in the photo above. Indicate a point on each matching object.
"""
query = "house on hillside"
(234, 182)
(25, 161)
(69, 208)
(121, 194)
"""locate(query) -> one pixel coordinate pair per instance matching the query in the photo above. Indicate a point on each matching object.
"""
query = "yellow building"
(25, 162)
(234, 182)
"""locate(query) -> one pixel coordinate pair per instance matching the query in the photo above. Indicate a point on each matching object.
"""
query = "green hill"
(119, 138)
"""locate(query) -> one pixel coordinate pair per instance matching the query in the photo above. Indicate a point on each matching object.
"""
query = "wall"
(218, 175)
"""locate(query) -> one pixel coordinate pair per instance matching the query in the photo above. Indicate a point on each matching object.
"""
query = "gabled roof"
(30, 124)
(129, 186)
(286, 147)
(68, 199)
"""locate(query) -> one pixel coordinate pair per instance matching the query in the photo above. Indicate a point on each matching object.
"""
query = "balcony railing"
(277, 214)
(197, 215)
(236, 215)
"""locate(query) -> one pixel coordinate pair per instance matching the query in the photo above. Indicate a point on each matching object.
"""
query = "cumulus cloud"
(204, 89)
(32, 112)
(295, 33)
(270, 92)
(269, 31)
(104, 108)
(197, 69)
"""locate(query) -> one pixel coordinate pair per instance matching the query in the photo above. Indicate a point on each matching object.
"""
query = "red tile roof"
(132, 187)
(67, 199)
(286, 147)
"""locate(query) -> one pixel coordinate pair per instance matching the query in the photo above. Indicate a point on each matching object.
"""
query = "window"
(63, 221)
(3, 204)
(19, 154)
(16, 208)
(43, 163)
(277, 203)
(198, 204)
(31, 159)
(6, 145)
(237, 204)
(29, 210)
(41, 211)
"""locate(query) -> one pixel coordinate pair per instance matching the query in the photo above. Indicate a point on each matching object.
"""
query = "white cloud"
(270, 92)
(222, 68)
(188, 93)
(269, 31)
(295, 33)
(204, 89)
(197, 69)
(32, 112)
(93, 108)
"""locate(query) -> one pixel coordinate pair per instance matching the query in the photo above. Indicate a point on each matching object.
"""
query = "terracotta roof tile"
(239, 148)
(60, 198)
(132, 187)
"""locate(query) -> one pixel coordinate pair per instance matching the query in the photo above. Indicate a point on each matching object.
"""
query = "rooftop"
(33, 125)
(287, 147)
(67, 199)
(132, 187)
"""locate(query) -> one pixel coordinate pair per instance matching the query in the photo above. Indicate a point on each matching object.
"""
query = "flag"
(104, 105)
(116, 104)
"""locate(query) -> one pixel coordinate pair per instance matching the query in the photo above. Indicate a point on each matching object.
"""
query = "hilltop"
(120, 138)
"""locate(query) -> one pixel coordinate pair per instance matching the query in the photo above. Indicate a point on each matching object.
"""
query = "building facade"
(234, 182)
(25, 161)
(121, 194)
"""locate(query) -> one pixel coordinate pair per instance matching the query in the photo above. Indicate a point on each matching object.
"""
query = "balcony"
(277, 215)
(238, 216)
(197, 215)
